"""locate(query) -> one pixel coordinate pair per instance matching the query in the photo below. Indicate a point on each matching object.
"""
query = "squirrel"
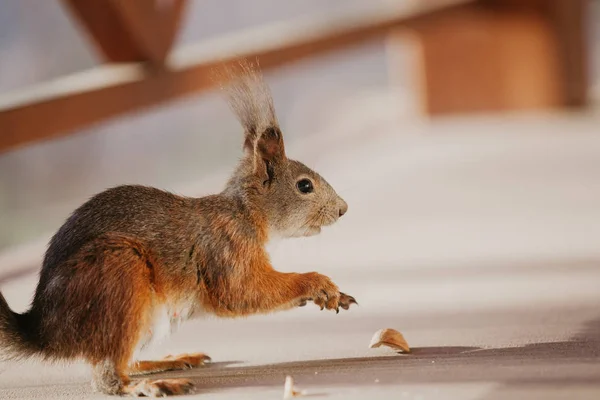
(134, 260)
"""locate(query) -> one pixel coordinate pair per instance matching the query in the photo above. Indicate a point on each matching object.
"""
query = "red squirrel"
(135, 259)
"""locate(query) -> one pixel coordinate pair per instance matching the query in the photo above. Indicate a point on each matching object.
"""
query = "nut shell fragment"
(288, 389)
(390, 338)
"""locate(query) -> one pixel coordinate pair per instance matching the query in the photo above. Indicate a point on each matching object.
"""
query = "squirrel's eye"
(305, 186)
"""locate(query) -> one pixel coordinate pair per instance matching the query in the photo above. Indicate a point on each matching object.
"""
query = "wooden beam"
(568, 26)
(65, 105)
(483, 60)
(131, 30)
(503, 55)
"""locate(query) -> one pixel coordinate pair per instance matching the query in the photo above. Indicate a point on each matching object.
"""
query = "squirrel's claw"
(346, 300)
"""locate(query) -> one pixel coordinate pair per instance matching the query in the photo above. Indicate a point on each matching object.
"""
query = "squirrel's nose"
(343, 208)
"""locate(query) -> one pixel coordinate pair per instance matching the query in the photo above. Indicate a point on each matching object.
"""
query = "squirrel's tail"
(15, 338)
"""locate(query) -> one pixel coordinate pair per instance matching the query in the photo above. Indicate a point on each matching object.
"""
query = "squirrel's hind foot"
(159, 388)
(170, 363)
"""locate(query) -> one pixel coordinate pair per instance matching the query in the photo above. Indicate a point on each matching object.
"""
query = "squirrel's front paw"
(324, 293)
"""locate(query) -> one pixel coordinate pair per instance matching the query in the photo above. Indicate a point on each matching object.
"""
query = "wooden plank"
(132, 30)
(65, 105)
(568, 25)
(484, 60)
(154, 26)
(502, 55)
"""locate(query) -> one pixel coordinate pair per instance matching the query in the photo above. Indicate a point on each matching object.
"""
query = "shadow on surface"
(583, 347)
(574, 363)
(567, 362)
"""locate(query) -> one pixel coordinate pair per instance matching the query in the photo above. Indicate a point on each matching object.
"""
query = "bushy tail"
(15, 341)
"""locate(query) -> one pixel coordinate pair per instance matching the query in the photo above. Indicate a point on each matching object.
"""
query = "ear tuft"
(250, 99)
(248, 96)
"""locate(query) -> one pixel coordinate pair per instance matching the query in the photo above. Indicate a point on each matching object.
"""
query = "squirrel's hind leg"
(169, 363)
(110, 300)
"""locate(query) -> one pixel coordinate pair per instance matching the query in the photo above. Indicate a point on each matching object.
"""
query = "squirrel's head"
(296, 200)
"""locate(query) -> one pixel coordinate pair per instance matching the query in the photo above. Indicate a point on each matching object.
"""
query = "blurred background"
(465, 136)
(504, 159)
(433, 171)
(468, 135)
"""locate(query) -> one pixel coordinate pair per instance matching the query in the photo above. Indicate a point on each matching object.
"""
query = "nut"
(391, 338)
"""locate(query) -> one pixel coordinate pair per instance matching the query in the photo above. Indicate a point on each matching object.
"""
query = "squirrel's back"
(146, 213)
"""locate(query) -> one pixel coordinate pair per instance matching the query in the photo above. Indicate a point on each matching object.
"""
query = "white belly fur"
(165, 321)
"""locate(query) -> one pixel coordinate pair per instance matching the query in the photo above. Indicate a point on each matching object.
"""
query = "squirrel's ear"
(270, 144)
(266, 150)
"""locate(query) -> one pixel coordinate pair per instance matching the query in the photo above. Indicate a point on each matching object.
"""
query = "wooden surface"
(463, 234)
